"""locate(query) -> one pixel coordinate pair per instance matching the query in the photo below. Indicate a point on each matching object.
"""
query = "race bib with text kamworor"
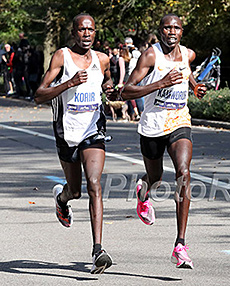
(172, 98)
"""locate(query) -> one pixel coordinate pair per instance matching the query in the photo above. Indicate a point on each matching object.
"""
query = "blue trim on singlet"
(82, 108)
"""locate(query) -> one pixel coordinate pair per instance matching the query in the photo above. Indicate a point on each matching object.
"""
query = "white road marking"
(122, 157)
(226, 251)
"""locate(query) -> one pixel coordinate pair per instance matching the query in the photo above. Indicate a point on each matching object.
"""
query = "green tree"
(48, 22)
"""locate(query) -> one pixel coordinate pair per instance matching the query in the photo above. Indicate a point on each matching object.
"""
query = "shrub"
(215, 105)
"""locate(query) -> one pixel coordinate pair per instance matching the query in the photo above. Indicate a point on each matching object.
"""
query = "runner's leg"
(93, 163)
(145, 210)
(73, 174)
(181, 154)
(154, 170)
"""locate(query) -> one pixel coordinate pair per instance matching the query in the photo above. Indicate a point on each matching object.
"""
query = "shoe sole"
(144, 221)
(103, 262)
(185, 264)
(99, 270)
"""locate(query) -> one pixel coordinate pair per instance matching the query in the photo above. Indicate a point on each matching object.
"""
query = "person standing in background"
(7, 58)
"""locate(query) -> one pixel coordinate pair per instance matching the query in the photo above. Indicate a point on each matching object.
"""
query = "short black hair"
(75, 19)
(166, 16)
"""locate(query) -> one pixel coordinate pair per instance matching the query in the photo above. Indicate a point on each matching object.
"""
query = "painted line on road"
(168, 169)
(122, 157)
(27, 131)
(56, 179)
(226, 251)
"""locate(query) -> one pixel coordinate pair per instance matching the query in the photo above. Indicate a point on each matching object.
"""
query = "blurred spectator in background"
(7, 60)
(97, 46)
(18, 72)
(40, 54)
(113, 64)
(135, 106)
(24, 43)
(152, 39)
(35, 69)
(106, 49)
(20, 62)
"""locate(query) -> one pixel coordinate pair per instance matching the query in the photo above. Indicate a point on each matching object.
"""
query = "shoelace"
(183, 247)
(145, 205)
(64, 211)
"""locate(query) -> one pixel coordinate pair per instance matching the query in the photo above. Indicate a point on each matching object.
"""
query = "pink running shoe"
(145, 210)
(180, 257)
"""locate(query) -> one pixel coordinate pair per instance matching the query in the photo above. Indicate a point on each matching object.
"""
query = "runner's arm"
(121, 62)
(145, 63)
(45, 92)
(198, 88)
(107, 85)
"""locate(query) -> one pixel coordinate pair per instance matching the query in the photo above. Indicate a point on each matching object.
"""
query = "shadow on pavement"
(161, 278)
(26, 266)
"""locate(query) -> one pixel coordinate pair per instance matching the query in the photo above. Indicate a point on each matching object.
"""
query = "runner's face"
(171, 31)
(84, 32)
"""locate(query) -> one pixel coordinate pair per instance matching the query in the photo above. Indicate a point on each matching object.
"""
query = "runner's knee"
(182, 185)
(184, 175)
(94, 187)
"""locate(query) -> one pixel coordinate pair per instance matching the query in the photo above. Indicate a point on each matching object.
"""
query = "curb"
(20, 102)
(195, 122)
(211, 123)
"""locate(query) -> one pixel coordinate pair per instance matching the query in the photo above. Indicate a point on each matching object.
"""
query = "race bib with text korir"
(174, 97)
(83, 99)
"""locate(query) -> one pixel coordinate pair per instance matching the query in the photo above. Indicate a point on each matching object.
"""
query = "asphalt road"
(37, 250)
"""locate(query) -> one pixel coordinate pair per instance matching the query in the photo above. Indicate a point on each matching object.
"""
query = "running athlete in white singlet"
(164, 74)
(74, 82)
(81, 105)
(166, 109)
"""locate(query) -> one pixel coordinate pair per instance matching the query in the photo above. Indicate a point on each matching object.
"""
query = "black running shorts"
(72, 154)
(154, 147)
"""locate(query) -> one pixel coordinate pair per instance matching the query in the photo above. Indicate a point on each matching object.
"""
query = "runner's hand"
(108, 90)
(171, 78)
(200, 90)
(79, 78)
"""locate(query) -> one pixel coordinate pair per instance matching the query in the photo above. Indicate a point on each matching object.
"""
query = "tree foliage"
(48, 22)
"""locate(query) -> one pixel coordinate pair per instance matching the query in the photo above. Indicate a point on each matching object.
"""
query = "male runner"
(164, 72)
(73, 82)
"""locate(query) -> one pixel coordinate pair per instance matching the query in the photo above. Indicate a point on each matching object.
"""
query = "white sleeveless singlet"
(166, 109)
(82, 103)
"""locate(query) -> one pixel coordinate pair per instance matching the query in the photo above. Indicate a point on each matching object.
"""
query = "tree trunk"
(52, 36)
